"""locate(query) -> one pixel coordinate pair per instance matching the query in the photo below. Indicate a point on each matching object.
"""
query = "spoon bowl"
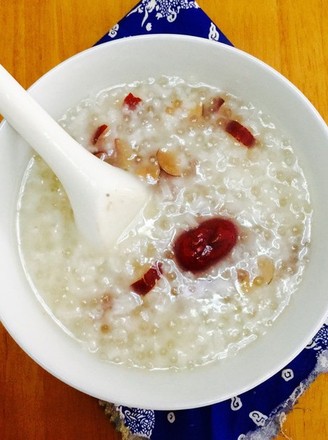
(105, 200)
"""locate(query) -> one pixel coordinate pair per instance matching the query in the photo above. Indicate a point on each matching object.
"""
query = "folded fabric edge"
(277, 418)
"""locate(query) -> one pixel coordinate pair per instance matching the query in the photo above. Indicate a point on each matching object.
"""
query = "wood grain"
(36, 35)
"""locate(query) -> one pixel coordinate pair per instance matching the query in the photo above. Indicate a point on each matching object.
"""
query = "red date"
(200, 248)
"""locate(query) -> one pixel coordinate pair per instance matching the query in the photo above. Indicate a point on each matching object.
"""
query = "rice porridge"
(221, 245)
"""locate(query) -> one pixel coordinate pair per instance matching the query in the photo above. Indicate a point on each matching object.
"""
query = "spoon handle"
(37, 127)
(105, 199)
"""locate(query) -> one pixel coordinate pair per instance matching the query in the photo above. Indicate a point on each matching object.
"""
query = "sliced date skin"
(200, 248)
(213, 107)
(149, 279)
(132, 101)
(98, 133)
(240, 133)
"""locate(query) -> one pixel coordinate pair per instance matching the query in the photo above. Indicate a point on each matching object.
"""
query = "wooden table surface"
(290, 35)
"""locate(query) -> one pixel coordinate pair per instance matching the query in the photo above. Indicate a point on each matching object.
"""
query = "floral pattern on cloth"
(168, 9)
(141, 422)
(258, 413)
(166, 17)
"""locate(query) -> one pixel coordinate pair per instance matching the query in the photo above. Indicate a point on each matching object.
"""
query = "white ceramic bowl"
(231, 70)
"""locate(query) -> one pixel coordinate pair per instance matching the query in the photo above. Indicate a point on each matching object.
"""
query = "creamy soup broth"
(202, 171)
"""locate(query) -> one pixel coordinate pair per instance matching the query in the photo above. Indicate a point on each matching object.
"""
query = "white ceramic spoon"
(105, 199)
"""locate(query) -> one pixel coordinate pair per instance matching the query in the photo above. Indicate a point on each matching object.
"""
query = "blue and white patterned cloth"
(256, 414)
(166, 17)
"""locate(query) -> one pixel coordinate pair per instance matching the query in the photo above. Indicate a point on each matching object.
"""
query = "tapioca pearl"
(144, 327)
(250, 310)
(256, 190)
(150, 353)
(300, 217)
(253, 156)
(226, 309)
(121, 352)
(296, 206)
(265, 303)
(284, 176)
(103, 355)
(307, 208)
(233, 333)
(151, 212)
(235, 161)
(104, 329)
(246, 332)
(78, 324)
(174, 356)
(93, 346)
(164, 224)
(190, 196)
(154, 329)
(203, 355)
(191, 364)
(97, 313)
(210, 322)
(87, 334)
(163, 351)
(288, 157)
(284, 201)
(120, 334)
(297, 228)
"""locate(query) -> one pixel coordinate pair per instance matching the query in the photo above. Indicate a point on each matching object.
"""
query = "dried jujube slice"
(100, 131)
(147, 282)
(132, 101)
(213, 106)
(240, 133)
(122, 155)
(148, 169)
